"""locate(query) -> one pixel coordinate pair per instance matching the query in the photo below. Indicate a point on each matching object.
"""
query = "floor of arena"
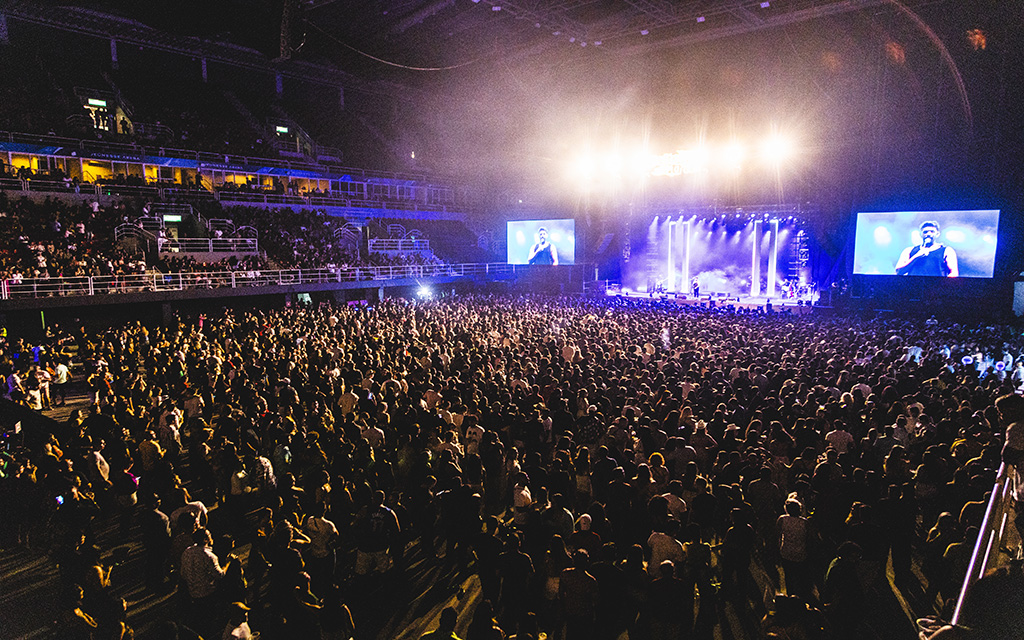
(390, 607)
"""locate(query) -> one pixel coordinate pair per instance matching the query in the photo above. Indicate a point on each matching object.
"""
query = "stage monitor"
(542, 242)
(926, 243)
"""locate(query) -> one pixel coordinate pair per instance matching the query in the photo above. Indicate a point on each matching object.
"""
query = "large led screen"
(927, 243)
(541, 242)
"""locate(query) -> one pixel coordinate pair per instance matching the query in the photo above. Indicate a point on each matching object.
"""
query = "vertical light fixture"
(670, 284)
(755, 266)
(773, 256)
(687, 232)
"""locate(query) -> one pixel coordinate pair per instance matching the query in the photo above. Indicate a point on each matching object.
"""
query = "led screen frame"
(887, 240)
(524, 236)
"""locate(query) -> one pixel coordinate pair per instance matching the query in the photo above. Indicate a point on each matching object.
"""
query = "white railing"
(398, 244)
(207, 245)
(105, 285)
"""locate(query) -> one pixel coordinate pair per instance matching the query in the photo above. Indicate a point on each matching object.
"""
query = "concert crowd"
(600, 465)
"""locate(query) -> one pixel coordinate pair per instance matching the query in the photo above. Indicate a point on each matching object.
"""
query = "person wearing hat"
(929, 258)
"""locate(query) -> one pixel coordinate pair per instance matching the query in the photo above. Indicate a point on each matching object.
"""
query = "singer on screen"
(543, 252)
(929, 258)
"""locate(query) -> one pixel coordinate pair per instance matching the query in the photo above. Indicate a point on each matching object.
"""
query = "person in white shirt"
(840, 439)
(201, 569)
(238, 623)
(664, 547)
(61, 376)
(322, 535)
(793, 541)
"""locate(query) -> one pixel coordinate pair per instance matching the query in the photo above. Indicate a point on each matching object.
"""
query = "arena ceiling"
(432, 34)
(887, 94)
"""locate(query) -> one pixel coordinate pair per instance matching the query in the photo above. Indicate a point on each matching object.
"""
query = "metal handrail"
(134, 283)
(398, 244)
(208, 245)
(995, 535)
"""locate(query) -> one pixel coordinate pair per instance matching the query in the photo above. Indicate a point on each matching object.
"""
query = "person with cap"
(929, 258)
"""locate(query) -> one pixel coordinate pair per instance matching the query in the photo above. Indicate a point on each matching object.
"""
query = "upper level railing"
(126, 148)
(398, 244)
(225, 196)
(208, 245)
(135, 283)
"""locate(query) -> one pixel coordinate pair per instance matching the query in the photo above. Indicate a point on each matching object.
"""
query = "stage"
(723, 300)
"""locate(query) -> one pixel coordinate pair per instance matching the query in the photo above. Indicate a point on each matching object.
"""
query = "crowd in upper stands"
(55, 239)
(601, 465)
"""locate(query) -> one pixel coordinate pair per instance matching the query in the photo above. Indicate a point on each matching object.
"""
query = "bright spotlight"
(613, 165)
(424, 291)
(583, 170)
(733, 155)
(777, 149)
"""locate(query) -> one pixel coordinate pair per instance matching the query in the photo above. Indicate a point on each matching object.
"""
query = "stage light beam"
(776, 149)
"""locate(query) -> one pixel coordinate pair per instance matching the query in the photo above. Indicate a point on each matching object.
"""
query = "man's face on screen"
(929, 235)
(543, 235)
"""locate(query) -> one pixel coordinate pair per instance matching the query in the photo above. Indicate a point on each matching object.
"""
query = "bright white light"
(776, 149)
(556, 237)
(613, 165)
(989, 239)
(956, 235)
(583, 170)
(882, 236)
(520, 237)
(424, 292)
(699, 159)
(733, 155)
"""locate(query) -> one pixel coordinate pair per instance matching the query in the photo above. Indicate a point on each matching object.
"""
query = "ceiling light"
(572, 39)
(700, 19)
(644, 32)
(496, 8)
(765, 4)
(556, 33)
(597, 43)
